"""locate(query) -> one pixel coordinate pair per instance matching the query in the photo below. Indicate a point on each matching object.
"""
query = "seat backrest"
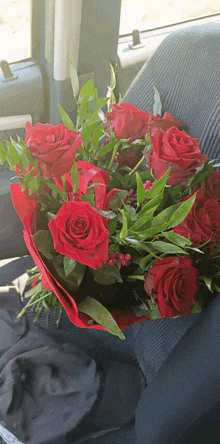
(185, 69)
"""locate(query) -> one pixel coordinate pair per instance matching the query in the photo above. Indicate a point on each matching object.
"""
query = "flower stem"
(113, 155)
(137, 166)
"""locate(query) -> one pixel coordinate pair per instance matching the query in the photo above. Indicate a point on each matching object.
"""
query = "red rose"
(177, 150)
(210, 187)
(79, 233)
(203, 222)
(127, 121)
(165, 122)
(53, 147)
(172, 284)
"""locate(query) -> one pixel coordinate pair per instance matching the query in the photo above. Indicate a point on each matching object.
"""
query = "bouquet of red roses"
(121, 214)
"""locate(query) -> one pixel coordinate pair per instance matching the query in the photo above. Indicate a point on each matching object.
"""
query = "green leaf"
(75, 177)
(28, 178)
(143, 220)
(141, 193)
(89, 198)
(124, 230)
(44, 243)
(106, 148)
(40, 180)
(94, 118)
(197, 307)
(113, 77)
(3, 153)
(177, 239)
(153, 231)
(153, 203)
(157, 103)
(116, 201)
(96, 138)
(74, 79)
(144, 261)
(208, 282)
(33, 186)
(29, 156)
(165, 247)
(100, 314)
(165, 215)
(154, 312)
(107, 275)
(158, 186)
(86, 133)
(65, 118)
(86, 91)
(112, 225)
(69, 265)
(54, 187)
(51, 215)
(141, 310)
(13, 157)
(183, 211)
(74, 279)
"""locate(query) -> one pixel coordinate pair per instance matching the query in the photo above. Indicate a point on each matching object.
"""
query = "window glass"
(149, 14)
(15, 30)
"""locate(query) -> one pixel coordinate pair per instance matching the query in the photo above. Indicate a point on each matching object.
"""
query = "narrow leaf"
(3, 153)
(106, 148)
(208, 282)
(158, 186)
(124, 229)
(100, 314)
(116, 201)
(183, 211)
(153, 203)
(96, 138)
(69, 265)
(112, 225)
(177, 239)
(86, 91)
(75, 177)
(65, 118)
(141, 193)
(74, 79)
(28, 178)
(44, 243)
(13, 157)
(165, 247)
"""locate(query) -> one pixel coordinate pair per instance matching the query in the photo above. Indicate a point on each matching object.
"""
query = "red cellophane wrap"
(27, 207)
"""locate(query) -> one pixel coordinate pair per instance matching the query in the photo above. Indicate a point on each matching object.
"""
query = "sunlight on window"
(149, 14)
(14, 30)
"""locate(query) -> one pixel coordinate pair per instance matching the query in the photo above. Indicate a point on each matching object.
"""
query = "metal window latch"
(136, 40)
(8, 75)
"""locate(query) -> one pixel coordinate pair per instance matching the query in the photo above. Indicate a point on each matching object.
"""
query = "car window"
(150, 14)
(15, 30)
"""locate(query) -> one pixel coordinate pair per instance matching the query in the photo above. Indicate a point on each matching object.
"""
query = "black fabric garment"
(51, 390)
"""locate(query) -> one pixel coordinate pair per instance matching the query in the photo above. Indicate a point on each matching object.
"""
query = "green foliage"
(74, 79)
(3, 153)
(69, 265)
(44, 243)
(65, 118)
(141, 193)
(107, 275)
(158, 186)
(101, 315)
